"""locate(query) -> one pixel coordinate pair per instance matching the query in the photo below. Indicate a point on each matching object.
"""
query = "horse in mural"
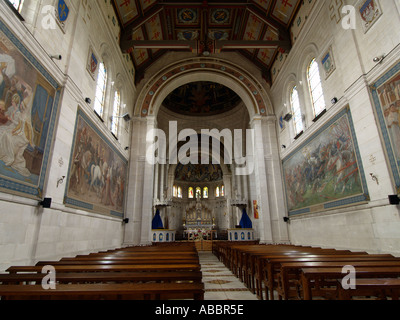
(345, 170)
(97, 177)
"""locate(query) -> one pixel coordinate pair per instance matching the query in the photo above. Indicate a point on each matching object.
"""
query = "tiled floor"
(220, 283)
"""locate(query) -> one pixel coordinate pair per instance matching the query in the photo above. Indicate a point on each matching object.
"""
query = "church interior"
(199, 142)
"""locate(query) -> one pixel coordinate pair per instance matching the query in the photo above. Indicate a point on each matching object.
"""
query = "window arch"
(17, 4)
(180, 193)
(315, 87)
(198, 192)
(296, 110)
(191, 193)
(217, 193)
(116, 113)
(175, 191)
(222, 191)
(205, 193)
(101, 90)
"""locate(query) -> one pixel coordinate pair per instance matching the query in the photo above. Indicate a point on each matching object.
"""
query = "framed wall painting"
(96, 180)
(29, 102)
(370, 11)
(328, 62)
(92, 63)
(386, 96)
(325, 172)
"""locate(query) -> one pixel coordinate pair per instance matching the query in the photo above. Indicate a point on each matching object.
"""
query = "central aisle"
(220, 283)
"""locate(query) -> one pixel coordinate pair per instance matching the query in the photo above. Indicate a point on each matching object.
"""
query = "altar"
(199, 223)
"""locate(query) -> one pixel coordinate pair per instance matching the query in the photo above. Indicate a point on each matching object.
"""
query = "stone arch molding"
(250, 90)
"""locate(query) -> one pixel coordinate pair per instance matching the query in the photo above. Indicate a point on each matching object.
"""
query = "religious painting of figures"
(386, 96)
(29, 99)
(97, 172)
(198, 172)
(326, 171)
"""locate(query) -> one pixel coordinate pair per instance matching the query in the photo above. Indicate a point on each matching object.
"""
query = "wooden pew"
(249, 264)
(380, 288)
(114, 262)
(104, 277)
(124, 291)
(151, 271)
(312, 277)
(290, 272)
(109, 268)
(267, 267)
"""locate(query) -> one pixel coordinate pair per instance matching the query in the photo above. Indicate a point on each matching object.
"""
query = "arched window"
(198, 192)
(315, 86)
(191, 193)
(17, 4)
(101, 90)
(217, 192)
(296, 110)
(180, 192)
(116, 113)
(205, 193)
(223, 191)
(175, 191)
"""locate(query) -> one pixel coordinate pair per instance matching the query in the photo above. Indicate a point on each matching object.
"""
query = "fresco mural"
(198, 173)
(386, 96)
(29, 99)
(97, 172)
(326, 171)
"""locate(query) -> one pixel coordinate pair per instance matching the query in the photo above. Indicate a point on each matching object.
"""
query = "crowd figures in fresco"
(97, 175)
(389, 95)
(16, 133)
(325, 170)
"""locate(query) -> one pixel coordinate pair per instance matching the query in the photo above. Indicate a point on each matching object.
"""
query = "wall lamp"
(88, 100)
(378, 59)
(56, 57)
(126, 117)
(288, 117)
(126, 220)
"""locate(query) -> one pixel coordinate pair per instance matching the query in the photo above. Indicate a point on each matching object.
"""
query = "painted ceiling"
(258, 29)
(201, 99)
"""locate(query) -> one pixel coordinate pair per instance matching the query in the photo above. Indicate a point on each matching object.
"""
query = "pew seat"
(124, 291)
(380, 289)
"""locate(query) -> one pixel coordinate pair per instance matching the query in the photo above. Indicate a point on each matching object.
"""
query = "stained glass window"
(191, 193)
(180, 192)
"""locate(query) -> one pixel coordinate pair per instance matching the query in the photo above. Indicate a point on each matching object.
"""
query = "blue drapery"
(157, 222)
(246, 223)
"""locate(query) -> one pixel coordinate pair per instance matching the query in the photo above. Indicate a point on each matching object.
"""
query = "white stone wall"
(372, 227)
(29, 233)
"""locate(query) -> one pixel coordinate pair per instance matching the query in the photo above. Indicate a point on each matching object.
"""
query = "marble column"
(147, 199)
(260, 181)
